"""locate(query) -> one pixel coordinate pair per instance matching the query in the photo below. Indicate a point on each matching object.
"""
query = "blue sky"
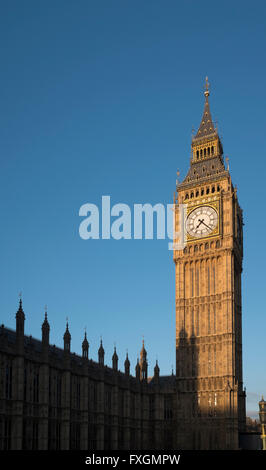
(99, 98)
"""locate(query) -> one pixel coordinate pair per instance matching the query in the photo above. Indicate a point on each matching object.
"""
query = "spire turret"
(156, 368)
(115, 360)
(143, 363)
(67, 339)
(156, 372)
(20, 317)
(20, 320)
(85, 347)
(45, 329)
(127, 365)
(137, 369)
(101, 354)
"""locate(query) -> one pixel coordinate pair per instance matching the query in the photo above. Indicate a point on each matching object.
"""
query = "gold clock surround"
(214, 204)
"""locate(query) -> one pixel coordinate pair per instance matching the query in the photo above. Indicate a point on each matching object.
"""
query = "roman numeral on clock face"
(202, 221)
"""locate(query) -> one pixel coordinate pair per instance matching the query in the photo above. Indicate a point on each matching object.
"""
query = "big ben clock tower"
(211, 400)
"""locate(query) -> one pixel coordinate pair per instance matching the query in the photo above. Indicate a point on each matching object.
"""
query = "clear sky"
(99, 98)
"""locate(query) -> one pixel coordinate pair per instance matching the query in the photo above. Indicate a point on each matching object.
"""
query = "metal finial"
(206, 92)
(227, 161)
(177, 179)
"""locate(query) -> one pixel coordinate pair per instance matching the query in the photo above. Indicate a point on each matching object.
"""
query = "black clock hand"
(199, 224)
(206, 225)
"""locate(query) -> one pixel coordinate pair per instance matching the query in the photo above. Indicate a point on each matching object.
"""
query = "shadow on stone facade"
(208, 404)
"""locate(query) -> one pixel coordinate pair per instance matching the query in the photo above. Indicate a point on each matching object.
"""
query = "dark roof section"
(35, 345)
(165, 381)
(206, 126)
(204, 169)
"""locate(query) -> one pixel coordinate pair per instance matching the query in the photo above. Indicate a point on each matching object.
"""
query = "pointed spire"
(20, 312)
(85, 347)
(115, 359)
(206, 126)
(143, 362)
(67, 338)
(137, 369)
(45, 325)
(156, 372)
(101, 353)
(20, 320)
(143, 352)
(127, 365)
(45, 328)
(206, 148)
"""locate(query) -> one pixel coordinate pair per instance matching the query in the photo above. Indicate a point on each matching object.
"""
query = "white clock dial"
(202, 221)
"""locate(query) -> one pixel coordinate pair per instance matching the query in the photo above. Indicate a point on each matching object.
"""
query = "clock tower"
(211, 400)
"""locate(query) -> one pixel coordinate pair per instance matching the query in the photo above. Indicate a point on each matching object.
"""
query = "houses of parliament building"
(53, 399)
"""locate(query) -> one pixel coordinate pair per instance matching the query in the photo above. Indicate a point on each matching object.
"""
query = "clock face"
(202, 221)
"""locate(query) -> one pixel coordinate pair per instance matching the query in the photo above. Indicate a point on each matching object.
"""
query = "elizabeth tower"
(210, 396)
